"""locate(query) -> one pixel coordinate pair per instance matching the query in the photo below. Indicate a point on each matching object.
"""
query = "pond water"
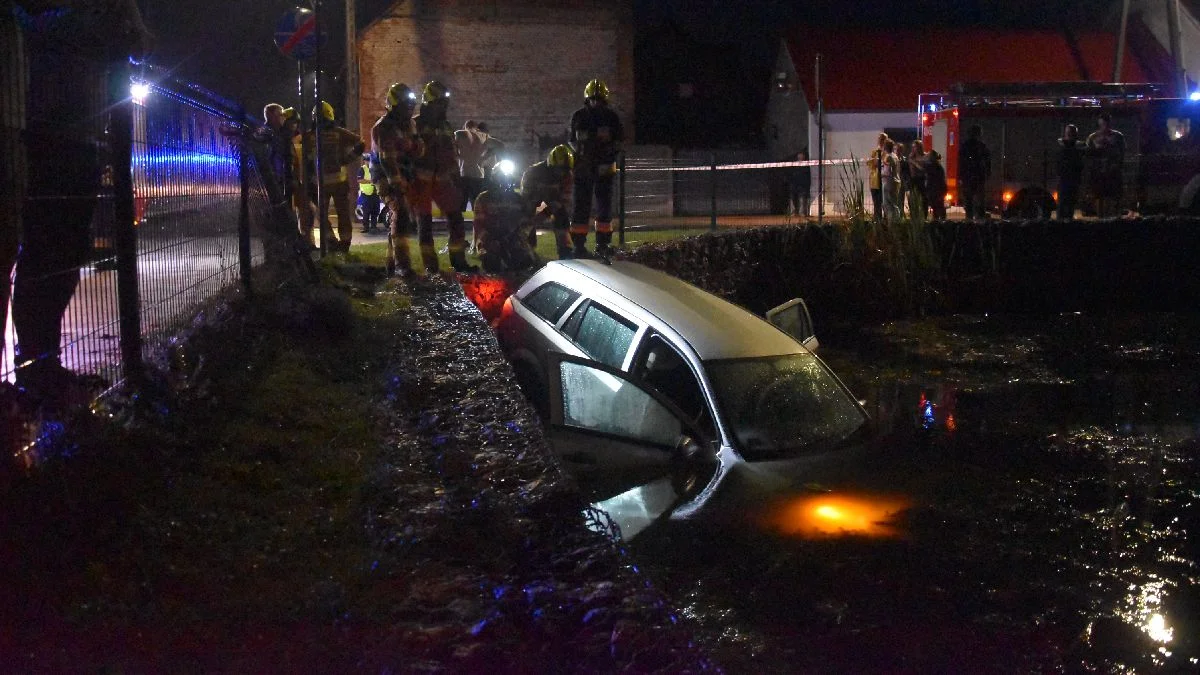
(1026, 505)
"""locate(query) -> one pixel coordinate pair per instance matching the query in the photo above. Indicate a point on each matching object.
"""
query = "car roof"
(713, 326)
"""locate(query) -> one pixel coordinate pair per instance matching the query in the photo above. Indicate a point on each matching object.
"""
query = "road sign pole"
(322, 211)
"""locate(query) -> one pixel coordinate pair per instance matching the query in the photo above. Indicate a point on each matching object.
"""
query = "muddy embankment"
(338, 478)
(866, 271)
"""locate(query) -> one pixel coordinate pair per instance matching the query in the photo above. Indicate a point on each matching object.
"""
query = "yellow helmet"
(399, 93)
(323, 111)
(434, 91)
(596, 89)
(561, 155)
(288, 113)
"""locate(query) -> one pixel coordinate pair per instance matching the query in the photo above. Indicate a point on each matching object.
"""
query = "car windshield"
(781, 406)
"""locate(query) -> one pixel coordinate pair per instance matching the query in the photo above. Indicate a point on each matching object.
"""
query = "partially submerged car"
(650, 383)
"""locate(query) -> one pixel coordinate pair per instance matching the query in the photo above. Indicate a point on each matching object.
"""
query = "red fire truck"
(1022, 123)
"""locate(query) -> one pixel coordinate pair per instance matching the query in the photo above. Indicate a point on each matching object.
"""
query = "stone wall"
(520, 65)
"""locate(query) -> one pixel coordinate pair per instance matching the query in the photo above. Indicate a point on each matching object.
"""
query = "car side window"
(602, 334)
(550, 300)
(662, 367)
(599, 401)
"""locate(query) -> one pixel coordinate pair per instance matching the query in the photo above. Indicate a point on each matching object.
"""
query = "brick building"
(520, 65)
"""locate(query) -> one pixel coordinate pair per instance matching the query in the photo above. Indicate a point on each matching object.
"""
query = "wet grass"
(227, 503)
(375, 254)
(331, 479)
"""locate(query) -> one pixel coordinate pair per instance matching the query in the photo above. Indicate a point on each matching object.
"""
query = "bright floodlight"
(507, 167)
(139, 91)
(1194, 96)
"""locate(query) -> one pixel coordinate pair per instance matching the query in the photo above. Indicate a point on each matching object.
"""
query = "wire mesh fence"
(135, 201)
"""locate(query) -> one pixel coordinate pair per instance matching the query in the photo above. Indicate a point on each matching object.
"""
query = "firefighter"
(299, 176)
(435, 180)
(339, 149)
(503, 221)
(549, 183)
(596, 137)
(396, 145)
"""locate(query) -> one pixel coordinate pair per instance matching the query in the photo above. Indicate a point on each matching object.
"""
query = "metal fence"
(143, 203)
(698, 189)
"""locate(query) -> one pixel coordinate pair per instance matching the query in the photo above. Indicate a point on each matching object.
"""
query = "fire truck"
(1021, 124)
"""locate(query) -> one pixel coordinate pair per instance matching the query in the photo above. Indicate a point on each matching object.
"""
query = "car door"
(612, 431)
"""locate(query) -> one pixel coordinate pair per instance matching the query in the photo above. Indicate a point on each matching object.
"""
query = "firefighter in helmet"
(435, 180)
(503, 221)
(596, 137)
(340, 148)
(396, 145)
(547, 186)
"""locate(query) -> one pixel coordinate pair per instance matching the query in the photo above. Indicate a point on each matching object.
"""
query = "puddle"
(1025, 506)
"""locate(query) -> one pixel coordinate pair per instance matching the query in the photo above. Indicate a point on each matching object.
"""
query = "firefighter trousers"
(422, 194)
(591, 187)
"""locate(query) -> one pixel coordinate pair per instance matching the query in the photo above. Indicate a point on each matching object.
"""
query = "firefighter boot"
(604, 244)
(458, 260)
(399, 262)
(562, 241)
(580, 241)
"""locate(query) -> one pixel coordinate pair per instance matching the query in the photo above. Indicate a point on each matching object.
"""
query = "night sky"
(725, 49)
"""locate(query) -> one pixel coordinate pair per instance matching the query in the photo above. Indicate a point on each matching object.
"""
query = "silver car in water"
(653, 390)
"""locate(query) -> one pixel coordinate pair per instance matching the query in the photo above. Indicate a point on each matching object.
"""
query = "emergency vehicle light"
(1194, 96)
(138, 91)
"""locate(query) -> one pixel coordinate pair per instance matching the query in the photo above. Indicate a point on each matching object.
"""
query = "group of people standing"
(418, 159)
(898, 176)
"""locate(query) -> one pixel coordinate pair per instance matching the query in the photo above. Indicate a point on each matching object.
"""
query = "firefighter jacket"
(596, 136)
(396, 145)
(440, 160)
(339, 149)
(544, 183)
(500, 214)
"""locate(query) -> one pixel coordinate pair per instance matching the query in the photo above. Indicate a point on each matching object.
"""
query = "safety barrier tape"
(634, 166)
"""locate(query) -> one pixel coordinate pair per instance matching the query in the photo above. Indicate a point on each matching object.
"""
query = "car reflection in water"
(663, 399)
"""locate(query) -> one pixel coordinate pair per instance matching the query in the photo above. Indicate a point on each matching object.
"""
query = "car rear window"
(603, 335)
(550, 300)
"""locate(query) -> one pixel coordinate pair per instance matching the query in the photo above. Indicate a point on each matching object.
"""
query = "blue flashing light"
(1194, 96)
(933, 107)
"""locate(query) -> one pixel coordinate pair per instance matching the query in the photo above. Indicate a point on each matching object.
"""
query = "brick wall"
(519, 65)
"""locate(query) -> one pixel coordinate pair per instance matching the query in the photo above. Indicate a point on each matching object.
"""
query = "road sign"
(296, 33)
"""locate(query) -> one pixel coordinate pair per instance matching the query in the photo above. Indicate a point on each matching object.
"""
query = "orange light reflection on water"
(821, 516)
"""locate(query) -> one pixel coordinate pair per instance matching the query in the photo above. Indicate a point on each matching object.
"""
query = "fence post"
(244, 209)
(712, 162)
(621, 201)
(125, 235)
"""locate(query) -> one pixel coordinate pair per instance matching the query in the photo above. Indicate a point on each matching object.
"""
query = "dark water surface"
(1031, 503)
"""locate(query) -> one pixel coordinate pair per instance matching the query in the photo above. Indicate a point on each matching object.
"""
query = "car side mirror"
(693, 466)
(793, 318)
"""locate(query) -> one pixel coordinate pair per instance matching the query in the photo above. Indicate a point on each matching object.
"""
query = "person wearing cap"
(435, 180)
(596, 136)
(548, 185)
(396, 146)
(339, 149)
(503, 223)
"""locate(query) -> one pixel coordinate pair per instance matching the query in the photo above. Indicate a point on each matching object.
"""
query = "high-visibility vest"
(367, 188)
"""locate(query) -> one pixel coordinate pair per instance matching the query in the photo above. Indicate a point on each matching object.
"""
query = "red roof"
(887, 70)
